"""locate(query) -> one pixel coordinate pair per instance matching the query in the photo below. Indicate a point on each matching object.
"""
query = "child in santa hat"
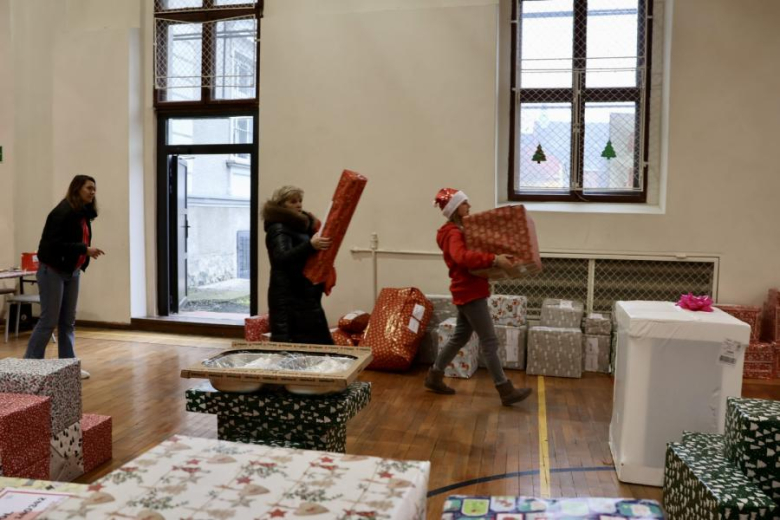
(469, 294)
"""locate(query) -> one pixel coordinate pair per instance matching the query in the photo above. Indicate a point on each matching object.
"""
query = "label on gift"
(418, 311)
(565, 304)
(592, 355)
(414, 325)
(27, 503)
(596, 316)
(512, 345)
(729, 352)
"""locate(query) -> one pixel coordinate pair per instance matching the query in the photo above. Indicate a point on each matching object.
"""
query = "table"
(187, 477)
(17, 273)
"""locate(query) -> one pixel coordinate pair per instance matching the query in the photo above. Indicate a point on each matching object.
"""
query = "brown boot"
(509, 394)
(435, 381)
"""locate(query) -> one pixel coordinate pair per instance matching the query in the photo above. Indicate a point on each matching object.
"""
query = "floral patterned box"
(58, 379)
(596, 353)
(204, 479)
(597, 324)
(466, 361)
(25, 431)
(280, 406)
(462, 507)
(700, 482)
(511, 347)
(96, 434)
(563, 314)
(67, 454)
(507, 310)
(752, 441)
(302, 436)
(554, 352)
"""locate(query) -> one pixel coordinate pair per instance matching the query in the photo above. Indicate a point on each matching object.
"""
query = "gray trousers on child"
(474, 317)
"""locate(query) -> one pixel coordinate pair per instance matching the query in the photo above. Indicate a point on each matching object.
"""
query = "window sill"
(589, 207)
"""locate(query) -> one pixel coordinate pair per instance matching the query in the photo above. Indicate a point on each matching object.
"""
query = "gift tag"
(596, 316)
(418, 311)
(565, 304)
(414, 325)
(729, 352)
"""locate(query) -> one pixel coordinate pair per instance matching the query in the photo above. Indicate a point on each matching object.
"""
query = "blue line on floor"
(482, 480)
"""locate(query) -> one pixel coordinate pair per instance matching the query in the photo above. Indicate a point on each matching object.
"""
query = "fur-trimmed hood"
(302, 222)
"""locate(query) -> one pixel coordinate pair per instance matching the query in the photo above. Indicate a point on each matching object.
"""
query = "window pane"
(211, 130)
(610, 159)
(543, 150)
(612, 43)
(546, 44)
(236, 59)
(172, 5)
(234, 2)
(180, 71)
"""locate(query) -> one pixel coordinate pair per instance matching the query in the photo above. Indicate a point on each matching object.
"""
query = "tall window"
(206, 52)
(580, 89)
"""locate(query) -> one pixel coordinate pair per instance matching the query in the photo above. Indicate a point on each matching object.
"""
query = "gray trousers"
(474, 317)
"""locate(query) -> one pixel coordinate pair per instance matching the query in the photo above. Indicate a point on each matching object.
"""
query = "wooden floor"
(467, 437)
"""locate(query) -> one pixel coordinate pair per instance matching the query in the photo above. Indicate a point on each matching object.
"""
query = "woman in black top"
(294, 303)
(64, 251)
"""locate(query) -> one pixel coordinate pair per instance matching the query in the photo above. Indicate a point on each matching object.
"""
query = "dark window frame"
(209, 13)
(517, 95)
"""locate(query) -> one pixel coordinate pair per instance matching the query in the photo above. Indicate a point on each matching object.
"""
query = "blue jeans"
(59, 294)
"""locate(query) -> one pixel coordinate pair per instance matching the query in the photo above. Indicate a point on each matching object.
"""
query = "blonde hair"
(285, 193)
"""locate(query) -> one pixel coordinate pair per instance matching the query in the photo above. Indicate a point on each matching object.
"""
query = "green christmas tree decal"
(609, 152)
(539, 155)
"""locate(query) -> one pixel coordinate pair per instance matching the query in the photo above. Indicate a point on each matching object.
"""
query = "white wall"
(7, 177)
(405, 92)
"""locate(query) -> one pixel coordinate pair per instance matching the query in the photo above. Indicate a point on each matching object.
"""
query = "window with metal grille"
(206, 52)
(580, 111)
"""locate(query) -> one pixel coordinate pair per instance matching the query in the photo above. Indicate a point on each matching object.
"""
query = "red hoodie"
(465, 287)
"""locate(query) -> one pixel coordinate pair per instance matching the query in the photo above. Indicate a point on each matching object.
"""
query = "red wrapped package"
(396, 327)
(96, 435)
(757, 370)
(341, 338)
(760, 353)
(507, 230)
(357, 338)
(750, 314)
(255, 327)
(770, 325)
(354, 322)
(319, 267)
(25, 434)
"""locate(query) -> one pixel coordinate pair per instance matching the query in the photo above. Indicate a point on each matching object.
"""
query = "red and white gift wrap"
(750, 314)
(357, 338)
(757, 370)
(510, 311)
(25, 431)
(341, 338)
(770, 325)
(319, 267)
(96, 435)
(396, 327)
(506, 230)
(760, 353)
(466, 361)
(255, 327)
(354, 322)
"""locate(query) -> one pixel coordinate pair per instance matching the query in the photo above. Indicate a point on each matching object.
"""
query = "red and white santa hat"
(448, 200)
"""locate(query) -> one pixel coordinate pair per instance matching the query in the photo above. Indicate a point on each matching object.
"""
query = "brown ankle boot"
(509, 394)
(435, 381)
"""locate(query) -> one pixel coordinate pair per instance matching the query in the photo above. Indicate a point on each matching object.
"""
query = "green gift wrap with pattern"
(753, 441)
(302, 436)
(462, 507)
(701, 483)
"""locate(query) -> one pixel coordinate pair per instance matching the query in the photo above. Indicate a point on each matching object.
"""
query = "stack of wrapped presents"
(759, 356)
(43, 433)
(731, 476)
(509, 314)
(555, 346)
(770, 329)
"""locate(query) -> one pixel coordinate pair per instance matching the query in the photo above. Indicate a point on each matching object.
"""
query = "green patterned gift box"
(701, 483)
(753, 441)
(302, 436)
(462, 507)
(281, 406)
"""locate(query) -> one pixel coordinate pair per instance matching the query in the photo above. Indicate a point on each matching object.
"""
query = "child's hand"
(505, 262)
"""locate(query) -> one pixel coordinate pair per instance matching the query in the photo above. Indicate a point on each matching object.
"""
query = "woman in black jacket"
(64, 251)
(294, 303)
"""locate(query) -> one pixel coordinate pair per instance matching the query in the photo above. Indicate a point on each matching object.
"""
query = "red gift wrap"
(255, 327)
(354, 322)
(508, 230)
(319, 267)
(757, 370)
(357, 338)
(96, 435)
(760, 353)
(750, 314)
(341, 338)
(770, 324)
(30, 261)
(396, 327)
(25, 433)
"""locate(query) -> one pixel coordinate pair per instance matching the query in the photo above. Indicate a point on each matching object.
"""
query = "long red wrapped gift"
(396, 327)
(319, 267)
(508, 230)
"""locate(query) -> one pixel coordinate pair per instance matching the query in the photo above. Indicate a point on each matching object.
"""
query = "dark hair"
(73, 197)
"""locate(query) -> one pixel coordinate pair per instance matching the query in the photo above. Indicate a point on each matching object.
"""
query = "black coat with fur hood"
(294, 303)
